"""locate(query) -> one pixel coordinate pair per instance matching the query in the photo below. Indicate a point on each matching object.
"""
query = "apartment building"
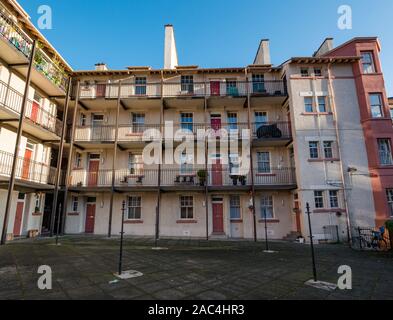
(314, 130)
(42, 121)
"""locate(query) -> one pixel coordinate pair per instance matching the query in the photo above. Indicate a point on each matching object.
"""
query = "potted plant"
(389, 227)
(202, 175)
(234, 179)
(243, 180)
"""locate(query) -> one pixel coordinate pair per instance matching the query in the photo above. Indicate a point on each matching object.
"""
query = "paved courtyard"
(83, 268)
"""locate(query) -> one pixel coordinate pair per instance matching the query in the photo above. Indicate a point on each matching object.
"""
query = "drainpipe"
(11, 183)
(60, 158)
(335, 118)
(114, 161)
(251, 156)
(70, 158)
(206, 163)
(158, 208)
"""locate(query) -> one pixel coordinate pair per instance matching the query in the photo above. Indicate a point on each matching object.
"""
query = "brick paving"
(83, 268)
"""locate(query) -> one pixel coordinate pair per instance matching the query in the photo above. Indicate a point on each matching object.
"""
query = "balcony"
(172, 91)
(40, 122)
(263, 134)
(15, 49)
(186, 179)
(28, 173)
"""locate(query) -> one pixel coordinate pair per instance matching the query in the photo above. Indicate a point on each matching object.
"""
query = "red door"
(26, 164)
(34, 111)
(217, 172)
(218, 217)
(216, 123)
(90, 217)
(215, 88)
(101, 88)
(18, 218)
(94, 166)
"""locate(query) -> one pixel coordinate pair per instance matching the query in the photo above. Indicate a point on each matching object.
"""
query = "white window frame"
(321, 196)
(267, 205)
(368, 64)
(233, 125)
(330, 148)
(235, 205)
(322, 104)
(133, 207)
(264, 161)
(183, 201)
(334, 195)
(188, 115)
(308, 101)
(75, 203)
(312, 148)
(374, 107)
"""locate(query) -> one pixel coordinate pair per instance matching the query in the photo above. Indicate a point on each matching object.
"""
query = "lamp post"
(314, 268)
(266, 235)
(123, 210)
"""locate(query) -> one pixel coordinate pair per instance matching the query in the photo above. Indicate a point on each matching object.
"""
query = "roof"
(313, 60)
(356, 39)
(181, 70)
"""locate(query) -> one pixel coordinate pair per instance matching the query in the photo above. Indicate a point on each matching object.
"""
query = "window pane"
(308, 104)
(389, 193)
(322, 104)
(314, 152)
(235, 207)
(267, 207)
(376, 105)
(333, 195)
(263, 162)
(328, 149)
(385, 152)
(318, 197)
(368, 62)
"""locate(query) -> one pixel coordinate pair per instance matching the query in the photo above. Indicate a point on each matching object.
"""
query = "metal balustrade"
(110, 90)
(150, 132)
(26, 169)
(15, 36)
(12, 99)
(182, 177)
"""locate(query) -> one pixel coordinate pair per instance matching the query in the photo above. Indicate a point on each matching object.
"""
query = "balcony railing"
(109, 90)
(12, 99)
(185, 177)
(135, 132)
(15, 36)
(272, 130)
(26, 169)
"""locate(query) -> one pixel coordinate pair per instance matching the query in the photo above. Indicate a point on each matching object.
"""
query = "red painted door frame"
(26, 164)
(90, 217)
(218, 217)
(215, 88)
(18, 217)
(35, 108)
(94, 167)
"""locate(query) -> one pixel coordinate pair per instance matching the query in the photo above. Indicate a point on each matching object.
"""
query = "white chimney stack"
(170, 51)
(263, 54)
(101, 67)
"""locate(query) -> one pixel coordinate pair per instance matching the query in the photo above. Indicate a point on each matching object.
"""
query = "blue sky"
(209, 33)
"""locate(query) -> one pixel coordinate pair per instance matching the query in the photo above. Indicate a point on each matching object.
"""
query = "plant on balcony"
(243, 180)
(202, 175)
(39, 57)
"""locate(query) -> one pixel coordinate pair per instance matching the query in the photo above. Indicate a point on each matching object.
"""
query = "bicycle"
(378, 241)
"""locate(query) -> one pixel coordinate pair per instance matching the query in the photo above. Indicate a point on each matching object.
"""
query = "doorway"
(20, 206)
(218, 215)
(94, 167)
(90, 215)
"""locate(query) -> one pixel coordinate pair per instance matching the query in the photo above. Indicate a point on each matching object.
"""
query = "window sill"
(136, 134)
(329, 210)
(73, 214)
(236, 220)
(185, 221)
(136, 221)
(317, 113)
(324, 160)
(36, 214)
(269, 221)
